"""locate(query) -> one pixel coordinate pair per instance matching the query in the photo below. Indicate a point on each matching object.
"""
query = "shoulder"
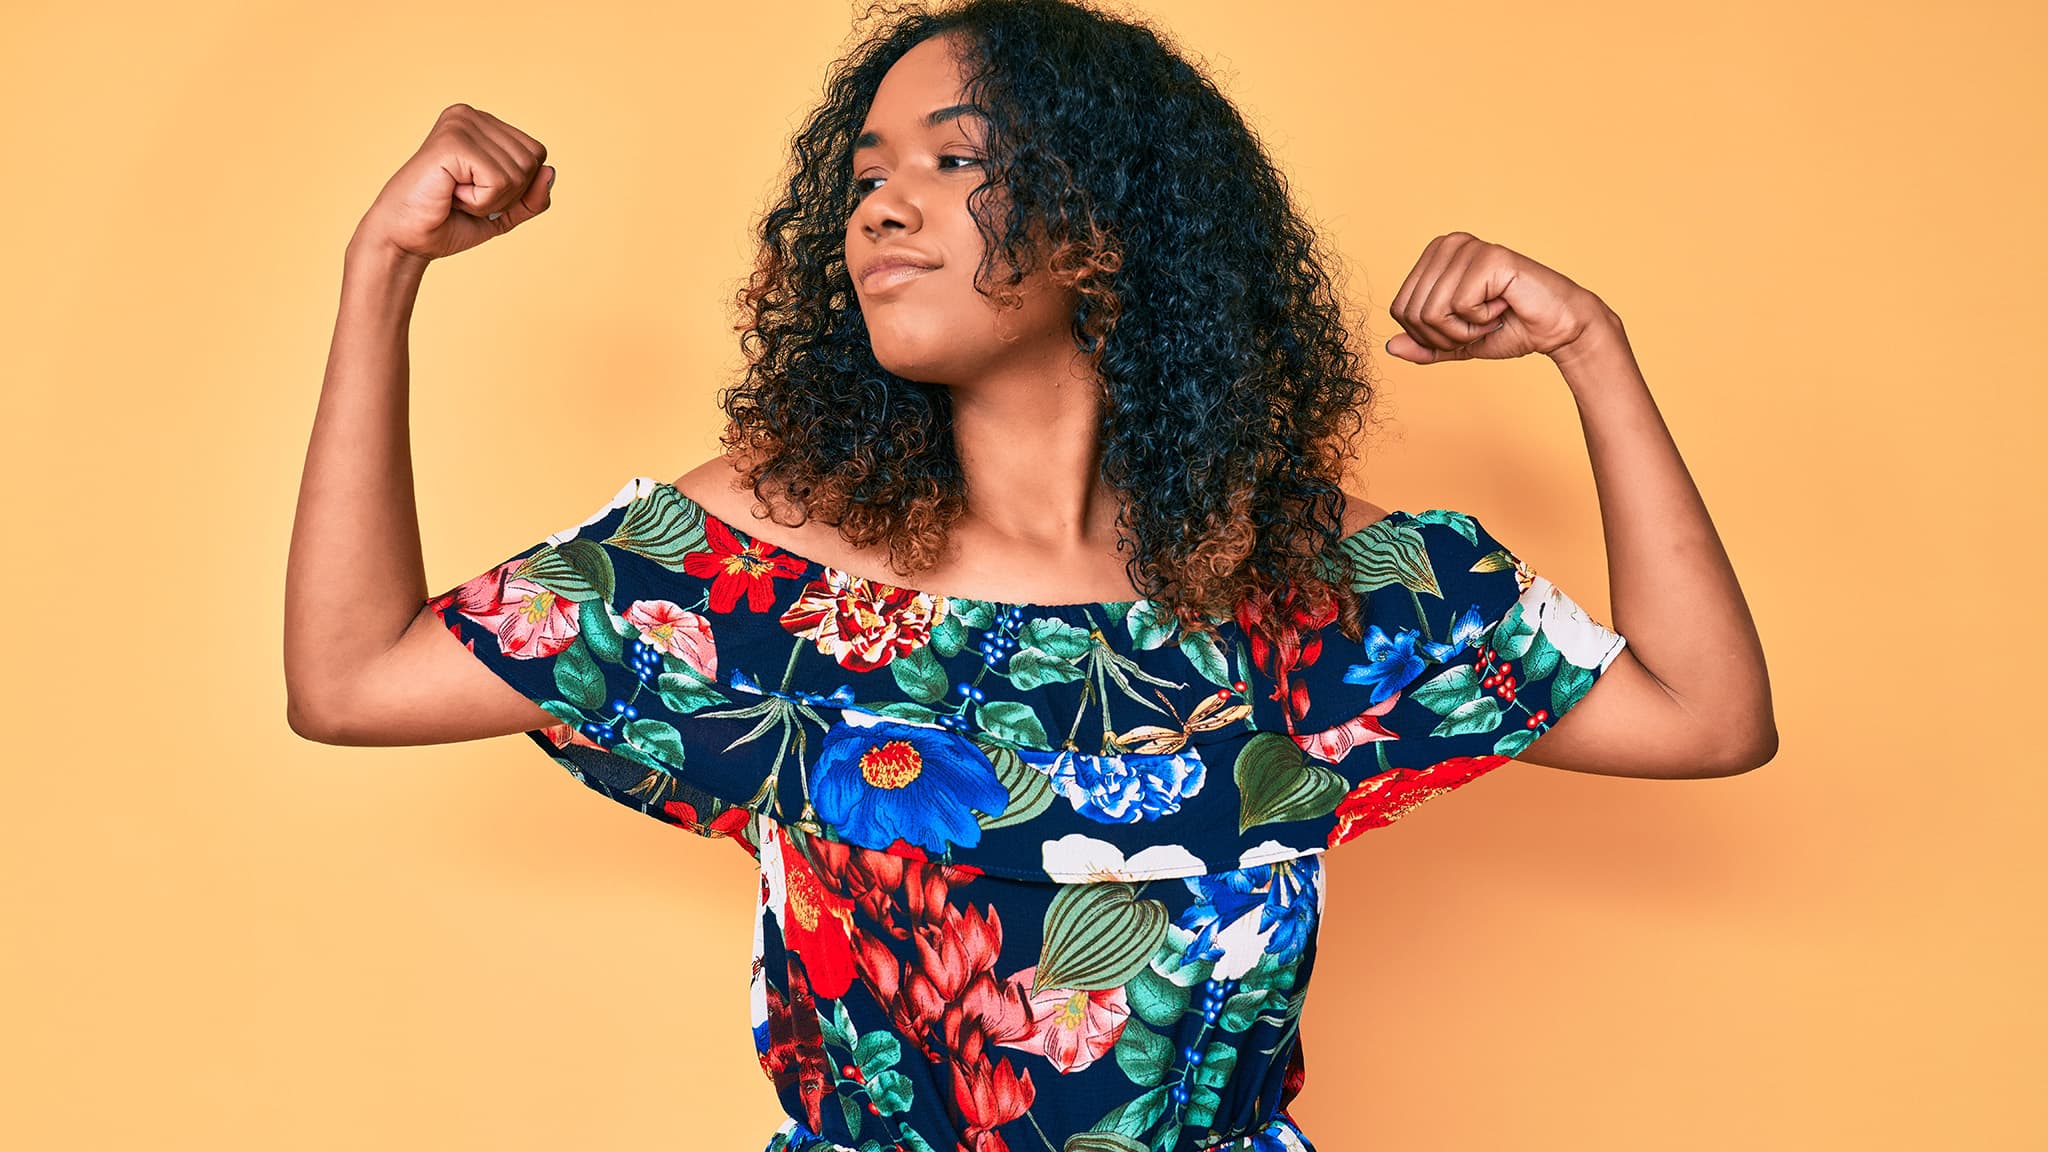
(1360, 514)
(713, 483)
(715, 486)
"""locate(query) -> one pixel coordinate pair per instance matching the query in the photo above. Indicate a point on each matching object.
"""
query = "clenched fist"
(473, 178)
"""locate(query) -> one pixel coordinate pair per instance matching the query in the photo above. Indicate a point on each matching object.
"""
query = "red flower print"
(885, 885)
(1072, 1027)
(954, 983)
(817, 925)
(729, 822)
(532, 623)
(1380, 800)
(796, 1045)
(668, 628)
(987, 1095)
(1283, 638)
(739, 569)
(860, 623)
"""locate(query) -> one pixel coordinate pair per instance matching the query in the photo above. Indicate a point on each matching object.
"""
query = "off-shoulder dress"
(1031, 875)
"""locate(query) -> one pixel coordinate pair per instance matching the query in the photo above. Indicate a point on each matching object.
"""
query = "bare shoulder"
(1360, 513)
(715, 485)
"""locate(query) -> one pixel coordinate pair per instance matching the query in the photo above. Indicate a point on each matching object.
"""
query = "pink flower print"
(1072, 1027)
(672, 630)
(532, 623)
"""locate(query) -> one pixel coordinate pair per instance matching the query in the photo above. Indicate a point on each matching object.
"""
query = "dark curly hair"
(1232, 396)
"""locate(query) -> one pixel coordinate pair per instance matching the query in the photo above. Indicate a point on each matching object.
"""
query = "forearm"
(1673, 589)
(355, 577)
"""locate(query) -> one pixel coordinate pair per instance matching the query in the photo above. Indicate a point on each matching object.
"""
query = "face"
(912, 177)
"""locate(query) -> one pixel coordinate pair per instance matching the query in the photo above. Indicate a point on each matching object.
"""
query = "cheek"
(929, 329)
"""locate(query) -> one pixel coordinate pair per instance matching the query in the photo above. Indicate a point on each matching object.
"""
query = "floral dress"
(1031, 875)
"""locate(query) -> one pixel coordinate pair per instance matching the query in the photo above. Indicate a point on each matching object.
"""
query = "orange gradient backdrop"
(1813, 218)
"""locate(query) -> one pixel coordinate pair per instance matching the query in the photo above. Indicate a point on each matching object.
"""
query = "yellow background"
(1821, 224)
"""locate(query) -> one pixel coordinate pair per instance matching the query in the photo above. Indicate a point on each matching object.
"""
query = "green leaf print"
(1202, 1105)
(578, 678)
(1570, 683)
(1030, 668)
(839, 1028)
(979, 615)
(1169, 959)
(1143, 1054)
(876, 1051)
(1012, 721)
(1241, 1009)
(1219, 1060)
(892, 1091)
(578, 570)
(1449, 690)
(1513, 635)
(1098, 936)
(1391, 553)
(1132, 1119)
(1206, 656)
(1276, 782)
(1100, 1142)
(1048, 652)
(657, 738)
(1030, 790)
(1539, 661)
(1054, 637)
(604, 631)
(1150, 626)
(920, 674)
(1155, 999)
(1481, 715)
(664, 526)
(949, 635)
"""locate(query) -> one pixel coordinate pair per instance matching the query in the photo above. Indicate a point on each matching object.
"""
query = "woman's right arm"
(365, 661)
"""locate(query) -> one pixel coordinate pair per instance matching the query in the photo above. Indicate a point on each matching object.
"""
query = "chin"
(926, 361)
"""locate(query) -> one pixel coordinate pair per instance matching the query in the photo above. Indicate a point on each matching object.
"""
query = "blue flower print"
(1122, 789)
(1283, 894)
(1394, 662)
(880, 780)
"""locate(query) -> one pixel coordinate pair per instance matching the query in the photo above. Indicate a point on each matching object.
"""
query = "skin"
(367, 664)
(1040, 526)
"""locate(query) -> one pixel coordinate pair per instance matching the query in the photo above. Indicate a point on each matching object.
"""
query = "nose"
(886, 207)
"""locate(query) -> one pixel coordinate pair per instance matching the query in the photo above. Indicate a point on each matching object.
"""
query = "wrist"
(1603, 335)
(381, 260)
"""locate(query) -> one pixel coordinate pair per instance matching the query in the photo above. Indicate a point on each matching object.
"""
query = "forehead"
(922, 90)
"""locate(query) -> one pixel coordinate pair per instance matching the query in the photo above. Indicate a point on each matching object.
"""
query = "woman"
(1039, 803)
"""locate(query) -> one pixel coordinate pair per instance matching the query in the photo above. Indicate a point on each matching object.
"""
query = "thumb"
(1410, 349)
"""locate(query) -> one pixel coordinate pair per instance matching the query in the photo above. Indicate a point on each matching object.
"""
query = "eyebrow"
(931, 120)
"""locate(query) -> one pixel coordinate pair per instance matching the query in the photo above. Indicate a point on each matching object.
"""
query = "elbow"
(308, 723)
(1747, 756)
(303, 724)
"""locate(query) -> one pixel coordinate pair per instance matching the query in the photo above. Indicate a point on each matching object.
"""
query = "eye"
(863, 186)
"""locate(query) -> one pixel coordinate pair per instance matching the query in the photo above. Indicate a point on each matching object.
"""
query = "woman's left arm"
(1689, 696)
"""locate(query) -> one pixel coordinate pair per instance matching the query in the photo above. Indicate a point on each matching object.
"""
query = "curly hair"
(1231, 395)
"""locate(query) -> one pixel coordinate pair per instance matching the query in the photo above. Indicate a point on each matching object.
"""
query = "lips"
(892, 270)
